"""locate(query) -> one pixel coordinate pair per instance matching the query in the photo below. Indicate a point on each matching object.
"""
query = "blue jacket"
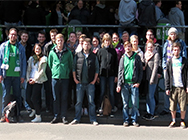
(22, 58)
(183, 52)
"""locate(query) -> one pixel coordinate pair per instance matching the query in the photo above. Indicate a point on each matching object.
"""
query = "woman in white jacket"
(35, 77)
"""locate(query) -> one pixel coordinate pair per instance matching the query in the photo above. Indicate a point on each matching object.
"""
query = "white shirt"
(176, 71)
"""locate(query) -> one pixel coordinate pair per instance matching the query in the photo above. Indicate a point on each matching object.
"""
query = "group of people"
(70, 69)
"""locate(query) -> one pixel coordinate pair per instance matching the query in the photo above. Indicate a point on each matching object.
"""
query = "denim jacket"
(183, 52)
(22, 59)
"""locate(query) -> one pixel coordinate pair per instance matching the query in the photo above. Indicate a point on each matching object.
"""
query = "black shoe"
(55, 120)
(20, 119)
(149, 117)
(164, 113)
(64, 120)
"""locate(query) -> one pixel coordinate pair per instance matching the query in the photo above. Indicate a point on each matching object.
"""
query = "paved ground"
(41, 131)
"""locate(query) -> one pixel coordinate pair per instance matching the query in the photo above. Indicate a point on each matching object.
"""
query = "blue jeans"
(128, 91)
(90, 92)
(150, 100)
(103, 82)
(60, 93)
(7, 83)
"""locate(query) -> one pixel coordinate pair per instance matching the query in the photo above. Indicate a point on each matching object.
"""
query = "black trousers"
(33, 96)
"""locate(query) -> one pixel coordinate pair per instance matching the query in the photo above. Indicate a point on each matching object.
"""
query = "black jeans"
(33, 96)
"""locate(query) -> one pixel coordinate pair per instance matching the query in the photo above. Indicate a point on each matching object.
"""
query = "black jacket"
(137, 71)
(169, 74)
(108, 62)
(81, 15)
(90, 63)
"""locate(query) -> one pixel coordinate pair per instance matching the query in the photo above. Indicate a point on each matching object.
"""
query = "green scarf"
(115, 44)
(36, 59)
(5, 64)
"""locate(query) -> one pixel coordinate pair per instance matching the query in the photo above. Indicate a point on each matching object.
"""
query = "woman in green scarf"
(35, 77)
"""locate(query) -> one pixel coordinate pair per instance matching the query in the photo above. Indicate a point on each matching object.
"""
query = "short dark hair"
(24, 32)
(156, 1)
(42, 32)
(176, 44)
(150, 30)
(72, 33)
(177, 2)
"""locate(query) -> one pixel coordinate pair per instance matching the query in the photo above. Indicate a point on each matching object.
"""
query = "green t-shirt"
(128, 68)
(12, 63)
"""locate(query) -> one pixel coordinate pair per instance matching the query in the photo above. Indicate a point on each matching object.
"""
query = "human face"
(115, 38)
(134, 42)
(12, 36)
(149, 35)
(38, 50)
(52, 36)
(60, 42)
(128, 48)
(125, 37)
(150, 47)
(179, 5)
(24, 37)
(86, 46)
(176, 51)
(95, 42)
(173, 36)
(80, 4)
(72, 38)
(81, 40)
(107, 43)
(78, 34)
(41, 38)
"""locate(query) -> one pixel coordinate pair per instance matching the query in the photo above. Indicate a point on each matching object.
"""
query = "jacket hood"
(174, 10)
(127, 0)
(100, 6)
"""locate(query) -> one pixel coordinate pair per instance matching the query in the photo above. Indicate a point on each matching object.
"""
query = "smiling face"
(52, 36)
(95, 42)
(125, 37)
(150, 47)
(38, 50)
(173, 36)
(115, 38)
(128, 48)
(41, 38)
(12, 36)
(60, 42)
(24, 37)
(86, 46)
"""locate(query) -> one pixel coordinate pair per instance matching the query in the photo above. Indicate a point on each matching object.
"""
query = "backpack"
(10, 112)
(106, 106)
(146, 13)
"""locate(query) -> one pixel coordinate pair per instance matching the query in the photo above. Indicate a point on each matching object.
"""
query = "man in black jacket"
(85, 73)
(176, 83)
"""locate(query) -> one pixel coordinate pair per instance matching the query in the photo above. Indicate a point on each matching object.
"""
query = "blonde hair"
(59, 36)
(133, 37)
(106, 37)
(127, 43)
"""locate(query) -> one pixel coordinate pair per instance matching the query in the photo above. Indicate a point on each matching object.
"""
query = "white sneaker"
(95, 123)
(36, 119)
(32, 113)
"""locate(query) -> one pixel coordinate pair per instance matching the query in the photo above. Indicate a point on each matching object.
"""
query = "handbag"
(106, 106)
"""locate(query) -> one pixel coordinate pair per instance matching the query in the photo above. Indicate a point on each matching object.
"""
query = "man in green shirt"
(129, 78)
(12, 70)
